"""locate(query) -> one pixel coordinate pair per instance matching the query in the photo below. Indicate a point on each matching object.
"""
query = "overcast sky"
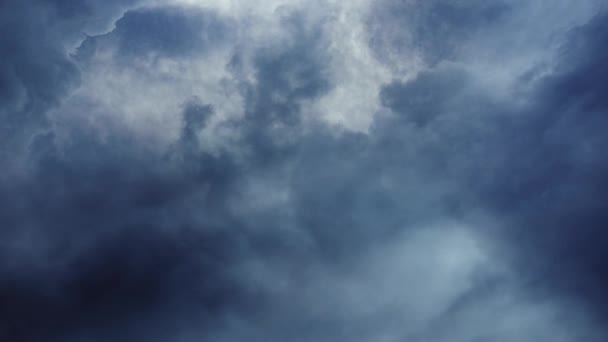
(303, 170)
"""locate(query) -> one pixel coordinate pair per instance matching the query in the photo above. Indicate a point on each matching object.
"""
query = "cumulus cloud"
(302, 171)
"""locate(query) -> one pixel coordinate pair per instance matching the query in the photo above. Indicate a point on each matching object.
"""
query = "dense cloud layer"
(313, 171)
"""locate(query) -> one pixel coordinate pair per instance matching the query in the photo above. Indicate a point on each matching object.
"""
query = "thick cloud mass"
(303, 171)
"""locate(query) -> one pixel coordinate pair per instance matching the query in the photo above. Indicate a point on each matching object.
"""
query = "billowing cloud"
(303, 171)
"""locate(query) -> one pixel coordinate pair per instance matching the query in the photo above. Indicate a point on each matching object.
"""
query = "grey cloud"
(108, 235)
(438, 30)
(429, 95)
(539, 168)
(557, 170)
(285, 78)
(36, 71)
(161, 32)
(295, 230)
(92, 261)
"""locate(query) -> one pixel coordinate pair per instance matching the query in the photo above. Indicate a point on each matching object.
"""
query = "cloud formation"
(303, 171)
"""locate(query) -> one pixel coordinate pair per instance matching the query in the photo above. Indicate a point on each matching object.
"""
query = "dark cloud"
(36, 71)
(107, 235)
(555, 169)
(437, 30)
(285, 78)
(29, 84)
(110, 239)
(162, 32)
(429, 95)
(295, 230)
(539, 168)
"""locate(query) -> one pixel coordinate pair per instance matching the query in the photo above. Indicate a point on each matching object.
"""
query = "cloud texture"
(303, 171)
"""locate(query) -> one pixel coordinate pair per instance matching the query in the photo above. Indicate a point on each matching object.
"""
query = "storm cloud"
(303, 171)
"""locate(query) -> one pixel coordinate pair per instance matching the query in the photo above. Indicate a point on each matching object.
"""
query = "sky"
(303, 170)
